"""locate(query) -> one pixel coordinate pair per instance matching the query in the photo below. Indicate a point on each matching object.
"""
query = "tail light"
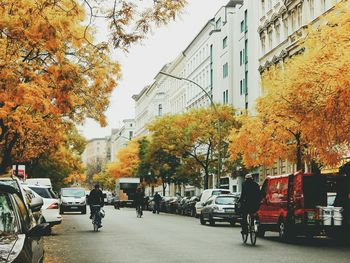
(53, 206)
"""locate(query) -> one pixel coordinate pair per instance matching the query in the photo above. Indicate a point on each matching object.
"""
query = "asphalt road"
(172, 238)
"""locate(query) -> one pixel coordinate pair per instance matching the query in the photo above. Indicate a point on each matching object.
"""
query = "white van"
(206, 195)
(39, 181)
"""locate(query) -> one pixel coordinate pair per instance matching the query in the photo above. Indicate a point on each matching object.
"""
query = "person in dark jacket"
(157, 198)
(249, 200)
(139, 199)
(95, 198)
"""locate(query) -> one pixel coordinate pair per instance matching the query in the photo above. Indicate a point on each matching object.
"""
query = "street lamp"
(212, 104)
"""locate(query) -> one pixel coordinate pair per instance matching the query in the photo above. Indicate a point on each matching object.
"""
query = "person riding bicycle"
(249, 200)
(139, 199)
(95, 198)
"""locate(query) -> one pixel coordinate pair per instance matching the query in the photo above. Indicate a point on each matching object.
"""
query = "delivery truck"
(125, 189)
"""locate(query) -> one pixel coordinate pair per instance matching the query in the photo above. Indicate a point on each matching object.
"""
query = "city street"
(173, 238)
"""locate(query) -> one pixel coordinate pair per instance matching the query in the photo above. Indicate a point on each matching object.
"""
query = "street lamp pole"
(212, 104)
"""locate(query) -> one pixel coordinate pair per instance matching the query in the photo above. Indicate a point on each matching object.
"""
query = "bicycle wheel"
(252, 233)
(245, 235)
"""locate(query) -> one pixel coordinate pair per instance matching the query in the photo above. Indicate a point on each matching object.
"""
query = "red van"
(295, 204)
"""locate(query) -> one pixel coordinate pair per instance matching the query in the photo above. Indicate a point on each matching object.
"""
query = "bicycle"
(252, 229)
(96, 217)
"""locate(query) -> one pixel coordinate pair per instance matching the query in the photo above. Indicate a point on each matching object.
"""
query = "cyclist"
(139, 199)
(249, 200)
(95, 198)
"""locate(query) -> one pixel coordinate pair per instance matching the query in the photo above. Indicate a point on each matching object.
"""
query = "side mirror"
(36, 204)
(39, 230)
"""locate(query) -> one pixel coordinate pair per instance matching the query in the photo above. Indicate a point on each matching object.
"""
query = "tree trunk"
(206, 179)
(299, 152)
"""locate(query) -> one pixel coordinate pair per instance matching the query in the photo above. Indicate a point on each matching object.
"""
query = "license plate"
(229, 210)
(73, 207)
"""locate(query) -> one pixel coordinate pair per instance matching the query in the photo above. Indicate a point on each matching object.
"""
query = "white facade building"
(121, 137)
(95, 151)
(282, 25)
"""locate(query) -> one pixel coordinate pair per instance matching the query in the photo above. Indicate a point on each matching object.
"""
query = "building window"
(225, 70)
(263, 7)
(263, 44)
(246, 83)
(160, 110)
(130, 134)
(246, 51)
(225, 97)
(224, 42)
(285, 27)
(300, 16)
(269, 4)
(246, 20)
(241, 58)
(241, 87)
(323, 6)
(242, 26)
(269, 35)
(211, 54)
(218, 24)
(278, 33)
(312, 8)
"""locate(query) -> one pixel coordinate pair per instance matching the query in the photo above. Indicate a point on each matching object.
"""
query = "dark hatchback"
(20, 237)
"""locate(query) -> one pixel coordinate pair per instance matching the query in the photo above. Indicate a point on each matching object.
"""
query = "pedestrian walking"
(157, 198)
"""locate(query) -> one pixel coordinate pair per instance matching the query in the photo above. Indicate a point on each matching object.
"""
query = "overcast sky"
(144, 61)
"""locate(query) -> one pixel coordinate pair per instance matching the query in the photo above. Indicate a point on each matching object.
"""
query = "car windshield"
(8, 223)
(73, 192)
(44, 192)
(220, 192)
(226, 200)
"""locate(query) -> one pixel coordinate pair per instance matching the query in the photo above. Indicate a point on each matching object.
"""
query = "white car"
(206, 195)
(50, 209)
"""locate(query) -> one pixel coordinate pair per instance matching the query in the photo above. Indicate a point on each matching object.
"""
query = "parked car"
(39, 181)
(15, 183)
(165, 203)
(301, 204)
(220, 208)
(182, 204)
(20, 236)
(205, 196)
(189, 206)
(72, 199)
(49, 209)
(174, 205)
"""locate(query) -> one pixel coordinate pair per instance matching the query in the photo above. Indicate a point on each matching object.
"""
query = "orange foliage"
(306, 102)
(127, 161)
(75, 178)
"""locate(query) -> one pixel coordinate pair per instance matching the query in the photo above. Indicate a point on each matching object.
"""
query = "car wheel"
(84, 211)
(211, 221)
(202, 220)
(261, 231)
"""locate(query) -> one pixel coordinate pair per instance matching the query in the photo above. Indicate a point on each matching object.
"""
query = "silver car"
(220, 208)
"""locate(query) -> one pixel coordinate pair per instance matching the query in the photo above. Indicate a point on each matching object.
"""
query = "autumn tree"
(195, 135)
(54, 73)
(105, 180)
(303, 115)
(127, 161)
(62, 163)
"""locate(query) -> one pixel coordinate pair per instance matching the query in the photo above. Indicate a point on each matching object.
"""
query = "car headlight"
(82, 202)
(216, 208)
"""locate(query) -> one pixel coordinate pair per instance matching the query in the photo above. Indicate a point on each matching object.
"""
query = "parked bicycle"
(252, 229)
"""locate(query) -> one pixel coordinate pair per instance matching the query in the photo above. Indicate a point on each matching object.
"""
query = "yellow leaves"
(75, 178)
(307, 99)
(127, 161)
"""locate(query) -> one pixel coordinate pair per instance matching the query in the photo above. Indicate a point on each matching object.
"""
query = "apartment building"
(282, 28)
(95, 151)
(120, 137)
